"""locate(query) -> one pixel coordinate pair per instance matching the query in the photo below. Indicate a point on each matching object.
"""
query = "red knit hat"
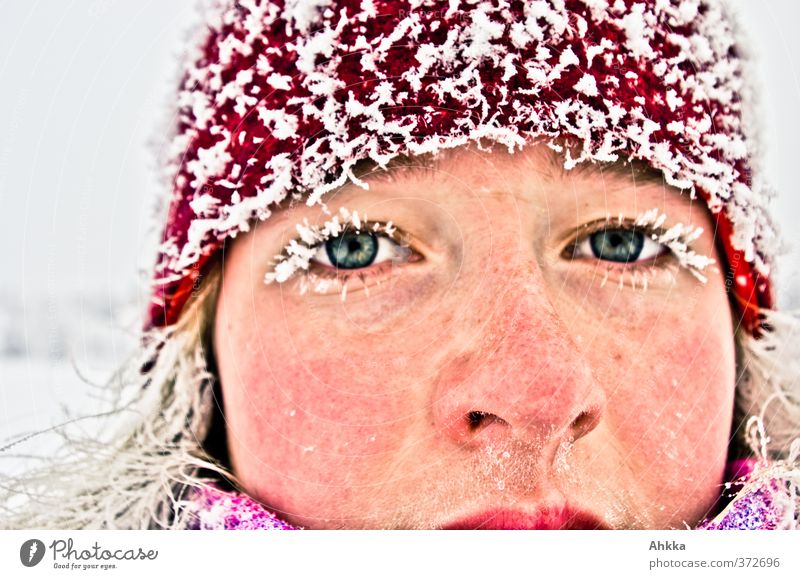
(286, 96)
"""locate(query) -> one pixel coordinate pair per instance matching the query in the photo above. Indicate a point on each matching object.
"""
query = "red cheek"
(321, 403)
(674, 404)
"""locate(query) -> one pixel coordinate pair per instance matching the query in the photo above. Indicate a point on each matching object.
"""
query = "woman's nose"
(526, 380)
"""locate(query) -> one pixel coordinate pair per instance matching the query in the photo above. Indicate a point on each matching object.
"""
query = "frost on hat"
(285, 97)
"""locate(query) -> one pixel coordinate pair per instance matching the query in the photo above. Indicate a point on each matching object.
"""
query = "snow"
(279, 81)
(57, 354)
(303, 13)
(568, 58)
(593, 51)
(587, 85)
(678, 238)
(481, 32)
(676, 127)
(283, 125)
(688, 10)
(210, 162)
(673, 100)
(635, 28)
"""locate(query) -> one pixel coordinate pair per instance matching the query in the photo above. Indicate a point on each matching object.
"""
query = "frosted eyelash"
(639, 276)
(297, 255)
(677, 238)
(320, 284)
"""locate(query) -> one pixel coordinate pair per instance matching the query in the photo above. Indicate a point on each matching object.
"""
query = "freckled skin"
(355, 414)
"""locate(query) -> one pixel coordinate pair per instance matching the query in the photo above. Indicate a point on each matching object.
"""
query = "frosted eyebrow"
(297, 254)
(678, 239)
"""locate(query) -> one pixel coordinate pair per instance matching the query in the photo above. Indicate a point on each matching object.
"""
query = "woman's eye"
(619, 245)
(358, 250)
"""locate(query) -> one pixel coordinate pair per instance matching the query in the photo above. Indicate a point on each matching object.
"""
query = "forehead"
(539, 160)
(534, 177)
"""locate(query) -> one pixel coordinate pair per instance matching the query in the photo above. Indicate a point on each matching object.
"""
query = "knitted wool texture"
(283, 98)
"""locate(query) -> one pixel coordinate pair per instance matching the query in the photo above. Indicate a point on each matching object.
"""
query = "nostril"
(478, 419)
(583, 423)
(475, 418)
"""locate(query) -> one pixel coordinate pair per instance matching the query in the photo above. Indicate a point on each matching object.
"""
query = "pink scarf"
(214, 508)
(753, 510)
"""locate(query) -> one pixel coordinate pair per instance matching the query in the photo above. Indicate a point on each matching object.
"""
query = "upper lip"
(557, 517)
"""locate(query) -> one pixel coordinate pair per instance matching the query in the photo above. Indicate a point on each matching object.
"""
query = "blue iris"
(620, 245)
(352, 250)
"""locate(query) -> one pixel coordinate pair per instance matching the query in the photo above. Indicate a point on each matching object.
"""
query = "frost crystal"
(678, 238)
(587, 85)
(298, 254)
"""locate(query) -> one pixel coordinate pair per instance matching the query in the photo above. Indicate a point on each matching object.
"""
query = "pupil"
(619, 245)
(352, 250)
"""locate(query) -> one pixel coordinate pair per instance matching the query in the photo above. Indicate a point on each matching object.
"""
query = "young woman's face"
(501, 360)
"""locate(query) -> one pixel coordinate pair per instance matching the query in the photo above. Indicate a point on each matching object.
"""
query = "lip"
(554, 518)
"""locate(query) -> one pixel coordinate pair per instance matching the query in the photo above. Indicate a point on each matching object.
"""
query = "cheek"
(307, 411)
(672, 404)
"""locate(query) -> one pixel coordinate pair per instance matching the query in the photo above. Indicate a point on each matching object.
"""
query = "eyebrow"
(405, 165)
(637, 170)
(401, 164)
(426, 165)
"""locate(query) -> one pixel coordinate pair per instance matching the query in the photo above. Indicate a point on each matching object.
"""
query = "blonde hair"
(141, 477)
(769, 383)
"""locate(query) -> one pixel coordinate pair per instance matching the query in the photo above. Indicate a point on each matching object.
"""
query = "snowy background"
(84, 86)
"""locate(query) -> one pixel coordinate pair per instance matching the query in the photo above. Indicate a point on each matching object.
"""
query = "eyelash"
(630, 272)
(611, 224)
(322, 277)
(298, 255)
(676, 241)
